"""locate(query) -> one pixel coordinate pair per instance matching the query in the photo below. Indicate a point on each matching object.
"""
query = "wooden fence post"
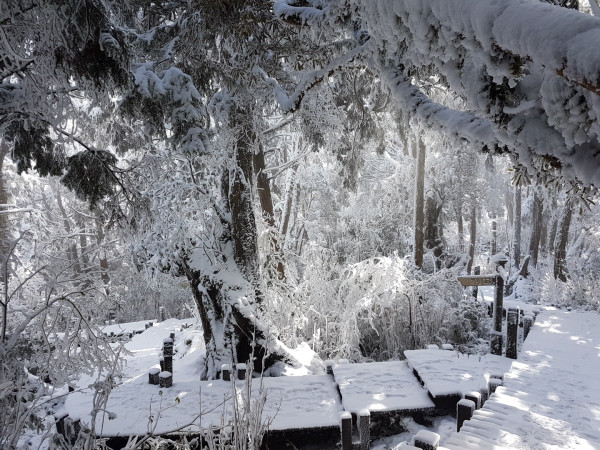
(464, 411)
(476, 398)
(512, 330)
(346, 430)
(364, 428)
(241, 371)
(496, 339)
(426, 440)
(225, 372)
(476, 271)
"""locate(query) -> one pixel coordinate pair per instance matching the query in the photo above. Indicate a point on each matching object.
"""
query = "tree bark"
(536, 229)
(473, 235)
(517, 228)
(560, 243)
(494, 244)
(231, 304)
(419, 204)
(460, 228)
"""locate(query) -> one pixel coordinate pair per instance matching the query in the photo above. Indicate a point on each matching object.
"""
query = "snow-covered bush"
(382, 306)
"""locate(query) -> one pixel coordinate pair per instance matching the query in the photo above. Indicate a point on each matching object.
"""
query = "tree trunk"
(536, 229)
(263, 188)
(419, 204)
(494, 246)
(231, 304)
(473, 237)
(560, 243)
(4, 242)
(517, 228)
(461, 228)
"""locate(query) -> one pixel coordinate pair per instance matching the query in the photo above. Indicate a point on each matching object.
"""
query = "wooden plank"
(478, 280)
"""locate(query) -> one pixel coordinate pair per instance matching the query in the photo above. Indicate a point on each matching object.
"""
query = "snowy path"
(551, 396)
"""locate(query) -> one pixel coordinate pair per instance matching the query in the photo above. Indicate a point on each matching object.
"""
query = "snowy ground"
(551, 398)
(138, 407)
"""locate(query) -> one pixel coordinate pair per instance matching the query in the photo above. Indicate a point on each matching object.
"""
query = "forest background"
(289, 172)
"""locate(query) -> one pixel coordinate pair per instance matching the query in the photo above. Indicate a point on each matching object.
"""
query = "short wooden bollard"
(225, 372)
(475, 397)
(363, 422)
(464, 411)
(168, 347)
(527, 323)
(484, 390)
(172, 336)
(427, 440)
(153, 375)
(512, 329)
(346, 430)
(168, 364)
(241, 371)
(493, 384)
(165, 379)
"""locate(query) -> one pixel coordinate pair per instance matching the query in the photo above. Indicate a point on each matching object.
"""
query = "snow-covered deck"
(446, 373)
(551, 395)
(383, 386)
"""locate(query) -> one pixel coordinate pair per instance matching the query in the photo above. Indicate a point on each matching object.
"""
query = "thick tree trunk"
(473, 235)
(4, 242)
(460, 228)
(419, 204)
(265, 198)
(494, 245)
(536, 229)
(229, 300)
(517, 228)
(560, 243)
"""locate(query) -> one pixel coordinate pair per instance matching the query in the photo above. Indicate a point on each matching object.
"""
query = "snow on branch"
(287, 11)
(461, 123)
(292, 102)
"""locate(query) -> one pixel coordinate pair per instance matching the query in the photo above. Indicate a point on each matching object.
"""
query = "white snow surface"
(291, 401)
(551, 395)
(382, 386)
(450, 373)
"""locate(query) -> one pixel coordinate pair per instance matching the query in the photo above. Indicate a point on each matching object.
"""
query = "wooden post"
(153, 375)
(496, 339)
(364, 428)
(168, 364)
(493, 384)
(475, 397)
(168, 347)
(241, 371)
(512, 329)
(527, 323)
(427, 440)
(172, 336)
(346, 430)
(165, 379)
(464, 411)
(476, 271)
(225, 372)
(161, 360)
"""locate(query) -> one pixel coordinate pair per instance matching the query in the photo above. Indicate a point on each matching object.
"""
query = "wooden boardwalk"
(551, 395)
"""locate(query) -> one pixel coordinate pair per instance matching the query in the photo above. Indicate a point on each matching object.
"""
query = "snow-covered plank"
(382, 386)
(550, 397)
(292, 402)
(452, 373)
